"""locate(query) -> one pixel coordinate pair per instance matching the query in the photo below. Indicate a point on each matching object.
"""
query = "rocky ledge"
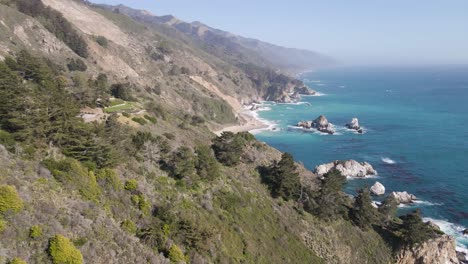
(349, 168)
(321, 124)
(437, 250)
(354, 125)
(404, 197)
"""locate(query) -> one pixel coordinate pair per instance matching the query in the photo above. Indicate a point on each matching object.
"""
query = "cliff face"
(440, 250)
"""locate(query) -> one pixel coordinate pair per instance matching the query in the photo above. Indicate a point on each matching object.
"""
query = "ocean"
(415, 123)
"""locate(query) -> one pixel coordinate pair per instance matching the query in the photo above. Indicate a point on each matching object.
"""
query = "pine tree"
(207, 166)
(283, 178)
(330, 201)
(182, 163)
(388, 209)
(363, 213)
(414, 230)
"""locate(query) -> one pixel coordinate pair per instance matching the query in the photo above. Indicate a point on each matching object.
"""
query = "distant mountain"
(237, 48)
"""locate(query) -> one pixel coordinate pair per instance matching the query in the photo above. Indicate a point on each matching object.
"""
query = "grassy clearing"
(119, 107)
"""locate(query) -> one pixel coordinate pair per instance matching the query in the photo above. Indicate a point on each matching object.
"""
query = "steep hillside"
(107, 154)
(236, 48)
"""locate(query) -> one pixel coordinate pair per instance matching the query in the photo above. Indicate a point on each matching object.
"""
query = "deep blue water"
(417, 117)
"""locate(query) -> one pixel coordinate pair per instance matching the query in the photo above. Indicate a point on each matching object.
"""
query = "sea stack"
(354, 125)
(321, 124)
(377, 189)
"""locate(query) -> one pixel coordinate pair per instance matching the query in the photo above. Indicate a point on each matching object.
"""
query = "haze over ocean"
(416, 133)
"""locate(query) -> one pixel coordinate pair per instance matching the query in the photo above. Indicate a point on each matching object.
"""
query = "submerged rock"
(377, 189)
(403, 197)
(465, 232)
(438, 250)
(349, 168)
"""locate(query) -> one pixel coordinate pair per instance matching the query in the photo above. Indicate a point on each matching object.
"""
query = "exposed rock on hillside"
(440, 250)
(349, 168)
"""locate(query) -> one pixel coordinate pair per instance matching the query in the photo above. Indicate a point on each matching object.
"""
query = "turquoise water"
(415, 117)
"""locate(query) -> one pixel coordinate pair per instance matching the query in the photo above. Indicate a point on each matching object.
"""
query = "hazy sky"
(352, 31)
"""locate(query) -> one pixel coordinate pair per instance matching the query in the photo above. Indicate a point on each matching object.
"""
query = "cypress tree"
(363, 213)
(330, 201)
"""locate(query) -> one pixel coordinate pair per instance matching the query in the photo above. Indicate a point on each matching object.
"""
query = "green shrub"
(131, 185)
(6, 139)
(71, 173)
(129, 226)
(102, 41)
(3, 225)
(121, 91)
(108, 177)
(35, 232)
(175, 254)
(127, 115)
(17, 261)
(62, 251)
(9, 199)
(151, 119)
(139, 120)
(142, 204)
(76, 65)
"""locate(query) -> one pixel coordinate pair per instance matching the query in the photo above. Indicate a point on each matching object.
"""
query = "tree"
(388, 209)
(182, 163)
(207, 166)
(283, 179)
(363, 213)
(414, 230)
(121, 91)
(330, 202)
(228, 148)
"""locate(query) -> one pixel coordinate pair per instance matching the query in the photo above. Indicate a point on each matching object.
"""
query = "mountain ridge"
(288, 60)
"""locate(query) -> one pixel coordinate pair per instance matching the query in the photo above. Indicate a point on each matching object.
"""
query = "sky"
(351, 31)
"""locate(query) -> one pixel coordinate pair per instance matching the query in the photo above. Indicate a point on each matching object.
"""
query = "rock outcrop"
(354, 125)
(441, 250)
(349, 168)
(377, 189)
(403, 197)
(304, 90)
(321, 124)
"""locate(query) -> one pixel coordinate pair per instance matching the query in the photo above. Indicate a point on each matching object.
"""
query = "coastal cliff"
(108, 151)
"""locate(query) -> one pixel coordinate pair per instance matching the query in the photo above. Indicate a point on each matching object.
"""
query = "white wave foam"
(317, 94)
(294, 103)
(388, 160)
(453, 230)
(342, 86)
(419, 203)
